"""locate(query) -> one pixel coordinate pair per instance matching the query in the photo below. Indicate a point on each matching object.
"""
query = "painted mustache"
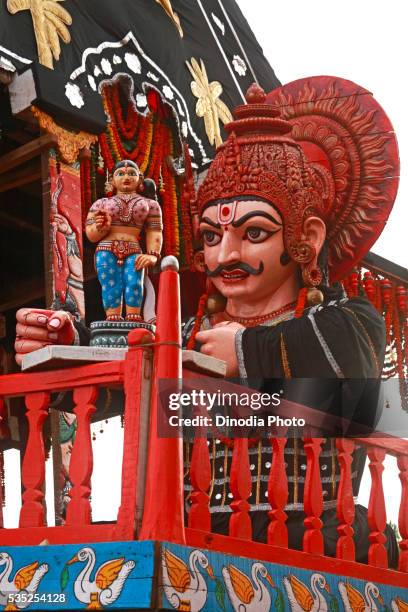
(241, 265)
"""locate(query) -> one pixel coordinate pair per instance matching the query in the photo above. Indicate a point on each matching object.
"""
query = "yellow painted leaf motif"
(166, 4)
(209, 105)
(178, 572)
(241, 584)
(25, 575)
(50, 21)
(108, 572)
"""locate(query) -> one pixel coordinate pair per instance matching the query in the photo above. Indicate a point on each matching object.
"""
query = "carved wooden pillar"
(240, 522)
(135, 433)
(402, 461)
(33, 469)
(313, 498)
(163, 516)
(345, 501)
(81, 465)
(278, 495)
(377, 518)
(200, 475)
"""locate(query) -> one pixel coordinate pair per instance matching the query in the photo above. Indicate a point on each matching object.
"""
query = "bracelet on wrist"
(155, 254)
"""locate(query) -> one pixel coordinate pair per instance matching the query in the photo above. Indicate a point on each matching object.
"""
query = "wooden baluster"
(163, 516)
(313, 498)
(402, 461)
(345, 501)
(278, 495)
(377, 518)
(136, 417)
(199, 516)
(240, 522)
(33, 469)
(81, 464)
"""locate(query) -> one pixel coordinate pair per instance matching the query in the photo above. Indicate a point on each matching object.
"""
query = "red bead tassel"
(301, 303)
(199, 317)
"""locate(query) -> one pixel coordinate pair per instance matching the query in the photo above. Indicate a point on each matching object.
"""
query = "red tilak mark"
(225, 211)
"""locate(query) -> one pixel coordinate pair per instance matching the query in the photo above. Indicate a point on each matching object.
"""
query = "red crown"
(349, 177)
(261, 160)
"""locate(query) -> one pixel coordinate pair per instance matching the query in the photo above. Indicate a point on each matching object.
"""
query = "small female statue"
(115, 223)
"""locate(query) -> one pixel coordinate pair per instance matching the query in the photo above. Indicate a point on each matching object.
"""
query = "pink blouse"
(131, 210)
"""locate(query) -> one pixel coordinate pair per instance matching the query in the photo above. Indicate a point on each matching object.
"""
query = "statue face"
(243, 244)
(126, 179)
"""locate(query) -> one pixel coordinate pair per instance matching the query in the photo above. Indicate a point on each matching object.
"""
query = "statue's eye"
(211, 238)
(257, 234)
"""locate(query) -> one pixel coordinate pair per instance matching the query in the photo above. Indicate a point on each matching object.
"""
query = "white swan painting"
(301, 598)
(26, 580)
(108, 581)
(248, 595)
(354, 601)
(184, 585)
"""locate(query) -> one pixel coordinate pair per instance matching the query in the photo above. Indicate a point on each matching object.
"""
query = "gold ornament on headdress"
(209, 106)
(166, 4)
(50, 22)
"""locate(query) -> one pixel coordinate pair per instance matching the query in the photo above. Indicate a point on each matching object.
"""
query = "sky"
(364, 41)
(361, 40)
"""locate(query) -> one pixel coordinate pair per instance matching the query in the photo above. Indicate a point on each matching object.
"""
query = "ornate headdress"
(316, 147)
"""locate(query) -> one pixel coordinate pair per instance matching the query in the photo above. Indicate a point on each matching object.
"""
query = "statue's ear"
(314, 233)
(313, 237)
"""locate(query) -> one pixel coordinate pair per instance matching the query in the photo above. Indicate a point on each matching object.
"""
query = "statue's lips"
(233, 276)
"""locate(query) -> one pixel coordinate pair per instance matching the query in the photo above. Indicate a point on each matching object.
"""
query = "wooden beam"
(386, 268)
(26, 152)
(22, 293)
(11, 221)
(20, 177)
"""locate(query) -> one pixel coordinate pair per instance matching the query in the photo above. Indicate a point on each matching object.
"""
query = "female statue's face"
(126, 179)
(243, 244)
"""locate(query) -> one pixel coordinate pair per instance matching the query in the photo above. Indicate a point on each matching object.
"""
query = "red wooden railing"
(152, 489)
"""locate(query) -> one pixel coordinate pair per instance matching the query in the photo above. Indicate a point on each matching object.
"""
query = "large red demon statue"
(290, 204)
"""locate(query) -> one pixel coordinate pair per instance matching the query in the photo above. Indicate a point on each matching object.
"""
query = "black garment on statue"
(341, 342)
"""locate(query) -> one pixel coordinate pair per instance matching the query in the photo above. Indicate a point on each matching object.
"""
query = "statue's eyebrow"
(255, 213)
(209, 222)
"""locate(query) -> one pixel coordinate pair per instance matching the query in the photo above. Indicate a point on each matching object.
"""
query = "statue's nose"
(230, 250)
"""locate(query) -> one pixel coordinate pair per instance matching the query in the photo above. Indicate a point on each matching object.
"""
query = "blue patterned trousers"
(117, 280)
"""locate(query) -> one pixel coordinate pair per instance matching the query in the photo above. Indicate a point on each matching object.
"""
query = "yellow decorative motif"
(209, 106)
(50, 23)
(166, 4)
(69, 143)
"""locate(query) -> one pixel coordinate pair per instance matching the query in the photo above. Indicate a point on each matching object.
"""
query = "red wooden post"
(402, 461)
(33, 469)
(137, 407)
(199, 516)
(240, 522)
(377, 518)
(278, 495)
(163, 516)
(345, 502)
(313, 498)
(81, 464)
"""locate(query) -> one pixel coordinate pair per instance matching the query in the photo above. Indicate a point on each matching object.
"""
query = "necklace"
(126, 206)
(253, 321)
